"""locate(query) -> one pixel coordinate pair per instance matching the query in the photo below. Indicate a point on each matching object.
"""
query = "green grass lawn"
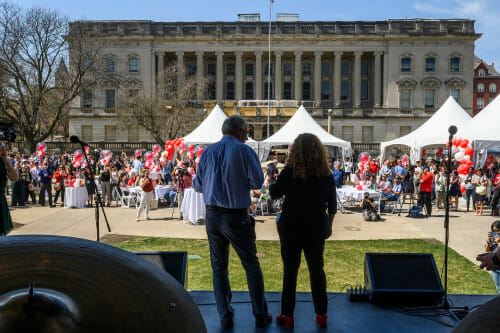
(343, 262)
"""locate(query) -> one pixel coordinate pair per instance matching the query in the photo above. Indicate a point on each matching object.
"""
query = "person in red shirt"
(496, 196)
(426, 178)
(60, 175)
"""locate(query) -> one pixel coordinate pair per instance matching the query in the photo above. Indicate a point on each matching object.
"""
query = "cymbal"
(64, 284)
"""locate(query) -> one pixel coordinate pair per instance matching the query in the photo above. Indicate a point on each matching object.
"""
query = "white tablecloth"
(75, 197)
(154, 174)
(160, 191)
(193, 207)
(357, 195)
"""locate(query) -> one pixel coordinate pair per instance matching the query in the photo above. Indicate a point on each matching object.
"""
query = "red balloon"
(464, 143)
(156, 148)
(181, 151)
(78, 156)
(458, 143)
(454, 141)
(199, 152)
(462, 189)
(469, 151)
(138, 153)
(191, 149)
(148, 156)
(190, 155)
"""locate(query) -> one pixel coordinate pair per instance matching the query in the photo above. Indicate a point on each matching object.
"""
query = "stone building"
(486, 81)
(375, 80)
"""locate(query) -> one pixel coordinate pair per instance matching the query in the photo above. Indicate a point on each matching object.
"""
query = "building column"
(277, 75)
(258, 75)
(238, 75)
(180, 67)
(377, 78)
(298, 75)
(385, 84)
(219, 81)
(356, 85)
(199, 74)
(153, 73)
(337, 78)
(317, 78)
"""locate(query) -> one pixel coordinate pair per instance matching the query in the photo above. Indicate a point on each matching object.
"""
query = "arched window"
(480, 87)
(493, 88)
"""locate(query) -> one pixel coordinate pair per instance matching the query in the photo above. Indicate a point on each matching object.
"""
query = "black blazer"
(305, 206)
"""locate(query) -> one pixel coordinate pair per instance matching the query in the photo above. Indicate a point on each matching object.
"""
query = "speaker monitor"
(174, 263)
(402, 278)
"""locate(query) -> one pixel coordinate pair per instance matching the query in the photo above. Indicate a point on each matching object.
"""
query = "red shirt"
(497, 179)
(426, 182)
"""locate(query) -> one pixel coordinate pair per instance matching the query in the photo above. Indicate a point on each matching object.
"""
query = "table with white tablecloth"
(193, 206)
(161, 190)
(350, 193)
(75, 197)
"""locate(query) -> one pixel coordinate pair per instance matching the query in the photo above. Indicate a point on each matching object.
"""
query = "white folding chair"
(262, 202)
(116, 196)
(128, 198)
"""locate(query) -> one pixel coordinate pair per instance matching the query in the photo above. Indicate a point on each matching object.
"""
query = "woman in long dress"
(305, 222)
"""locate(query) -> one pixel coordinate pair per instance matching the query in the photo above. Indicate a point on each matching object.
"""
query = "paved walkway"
(467, 232)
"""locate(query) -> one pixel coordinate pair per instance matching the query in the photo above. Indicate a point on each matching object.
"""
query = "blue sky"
(485, 12)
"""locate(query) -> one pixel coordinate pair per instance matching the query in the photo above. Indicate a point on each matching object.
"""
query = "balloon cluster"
(106, 156)
(87, 150)
(490, 162)
(78, 161)
(463, 153)
(363, 163)
(156, 150)
(176, 144)
(149, 157)
(439, 152)
(40, 149)
(138, 153)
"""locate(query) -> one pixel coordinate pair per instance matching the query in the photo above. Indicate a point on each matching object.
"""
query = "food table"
(75, 197)
(353, 194)
(193, 206)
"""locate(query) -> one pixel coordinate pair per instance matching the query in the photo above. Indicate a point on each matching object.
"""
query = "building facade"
(375, 80)
(486, 81)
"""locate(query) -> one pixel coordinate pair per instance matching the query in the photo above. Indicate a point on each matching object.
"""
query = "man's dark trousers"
(45, 187)
(235, 229)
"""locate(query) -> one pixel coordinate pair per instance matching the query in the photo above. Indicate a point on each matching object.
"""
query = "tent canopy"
(302, 122)
(434, 131)
(210, 130)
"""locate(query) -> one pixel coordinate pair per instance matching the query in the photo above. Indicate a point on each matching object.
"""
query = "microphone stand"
(98, 201)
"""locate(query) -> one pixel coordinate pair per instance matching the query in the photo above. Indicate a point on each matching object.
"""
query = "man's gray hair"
(232, 124)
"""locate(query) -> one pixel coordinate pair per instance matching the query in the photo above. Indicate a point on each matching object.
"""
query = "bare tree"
(32, 44)
(167, 112)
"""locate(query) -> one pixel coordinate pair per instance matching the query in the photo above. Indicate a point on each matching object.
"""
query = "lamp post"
(330, 111)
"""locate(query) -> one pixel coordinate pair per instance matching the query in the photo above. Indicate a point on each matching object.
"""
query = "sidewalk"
(467, 232)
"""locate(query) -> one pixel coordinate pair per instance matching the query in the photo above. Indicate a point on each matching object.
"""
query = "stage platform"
(343, 316)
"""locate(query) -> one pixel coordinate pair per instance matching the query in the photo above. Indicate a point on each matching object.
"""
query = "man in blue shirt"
(45, 176)
(227, 171)
(338, 176)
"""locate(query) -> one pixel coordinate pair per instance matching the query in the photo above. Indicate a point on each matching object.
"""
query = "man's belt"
(227, 210)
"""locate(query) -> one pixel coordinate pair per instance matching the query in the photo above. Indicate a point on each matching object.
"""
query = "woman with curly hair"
(305, 222)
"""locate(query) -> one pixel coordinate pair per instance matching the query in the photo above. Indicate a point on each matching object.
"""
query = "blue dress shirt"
(226, 173)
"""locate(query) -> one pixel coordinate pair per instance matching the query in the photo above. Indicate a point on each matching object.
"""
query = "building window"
(306, 91)
(249, 69)
(367, 134)
(480, 87)
(87, 100)
(87, 133)
(110, 133)
(430, 65)
(493, 88)
(211, 91)
(110, 66)
(345, 91)
(229, 69)
(287, 90)
(325, 90)
(268, 86)
(86, 64)
(287, 69)
(230, 90)
(405, 99)
(211, 68)
(266, 69)
(306, 69)
(345, 69)
(365, 88)
(406, 65)
(455, 93)
(480, 102)
(481, 73)
(133, 65)
(430, 97)
(325, 69)
(133, 134)
(454, 64)
(365, 68)
(251, 130)
(404, 130)
(192, 69)
(249, 90)
(348, 133)
(110, 100)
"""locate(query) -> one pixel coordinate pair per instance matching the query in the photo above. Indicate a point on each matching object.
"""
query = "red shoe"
(321, 320)
(285, 320)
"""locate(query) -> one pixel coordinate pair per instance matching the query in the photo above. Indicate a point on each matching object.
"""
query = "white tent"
(302, 122)
(210, 130)
(434, 131)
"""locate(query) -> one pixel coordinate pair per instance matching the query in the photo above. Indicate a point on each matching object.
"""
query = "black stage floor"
(343, 316)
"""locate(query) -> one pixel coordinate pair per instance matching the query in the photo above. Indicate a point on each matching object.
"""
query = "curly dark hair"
(308, 157)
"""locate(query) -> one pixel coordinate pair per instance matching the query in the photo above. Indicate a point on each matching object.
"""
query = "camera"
(7, 131)
(182, 172)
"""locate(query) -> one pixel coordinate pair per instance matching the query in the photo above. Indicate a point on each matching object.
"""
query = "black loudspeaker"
(174, 263)
(402, 278)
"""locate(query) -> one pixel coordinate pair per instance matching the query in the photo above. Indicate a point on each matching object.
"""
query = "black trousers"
(425, 197)
(291, 251)
(18, 193)
(61, 193)
(45, 187)
(496, 196)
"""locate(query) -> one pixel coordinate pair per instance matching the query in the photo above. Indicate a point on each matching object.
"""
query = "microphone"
(452, 130)
(75, 139)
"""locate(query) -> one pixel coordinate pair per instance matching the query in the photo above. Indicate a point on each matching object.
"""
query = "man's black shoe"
(227, 323)
(263, 322)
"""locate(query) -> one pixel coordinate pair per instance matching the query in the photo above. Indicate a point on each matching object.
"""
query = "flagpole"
(269, 72)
